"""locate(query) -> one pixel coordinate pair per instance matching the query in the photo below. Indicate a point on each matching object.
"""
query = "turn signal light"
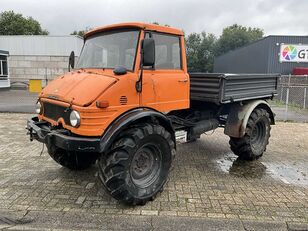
(102, 104)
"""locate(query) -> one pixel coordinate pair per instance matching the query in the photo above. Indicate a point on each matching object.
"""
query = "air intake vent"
(123, 100)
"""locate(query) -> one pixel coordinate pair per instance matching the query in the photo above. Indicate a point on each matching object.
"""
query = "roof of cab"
(145, 26)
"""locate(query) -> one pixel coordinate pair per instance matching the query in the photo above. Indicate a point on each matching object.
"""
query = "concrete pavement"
(57, 221)
(208, 188)
(17, 101)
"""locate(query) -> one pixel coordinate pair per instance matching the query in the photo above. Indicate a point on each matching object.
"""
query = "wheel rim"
(258, 134)
(146, 165)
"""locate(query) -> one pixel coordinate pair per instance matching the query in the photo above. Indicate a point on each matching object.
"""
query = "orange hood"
(79, 88)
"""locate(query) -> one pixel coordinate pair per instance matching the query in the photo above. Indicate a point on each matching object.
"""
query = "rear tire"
(137, 166)
(72, 160)
(253, 144)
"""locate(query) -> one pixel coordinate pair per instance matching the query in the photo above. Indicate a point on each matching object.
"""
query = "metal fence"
(292, 98)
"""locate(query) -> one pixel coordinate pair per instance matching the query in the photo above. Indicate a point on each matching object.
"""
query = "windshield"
(109, 50)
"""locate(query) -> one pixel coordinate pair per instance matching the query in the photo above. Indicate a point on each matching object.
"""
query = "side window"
(129, 57)
(167, 51)
(176, 55)
(3, 66)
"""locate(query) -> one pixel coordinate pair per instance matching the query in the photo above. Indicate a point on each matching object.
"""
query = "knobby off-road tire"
(72, 160)
(137, 166)
(253, 144)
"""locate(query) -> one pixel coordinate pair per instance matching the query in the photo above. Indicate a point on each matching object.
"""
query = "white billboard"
(293, 53)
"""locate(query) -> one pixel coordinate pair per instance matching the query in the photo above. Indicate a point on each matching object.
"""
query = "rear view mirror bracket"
(147, 58)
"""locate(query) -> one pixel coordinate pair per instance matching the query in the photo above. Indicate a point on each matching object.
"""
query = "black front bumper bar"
(42, 132)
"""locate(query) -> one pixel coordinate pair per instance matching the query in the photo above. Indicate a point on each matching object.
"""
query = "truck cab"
(96, 82)
(130, 99)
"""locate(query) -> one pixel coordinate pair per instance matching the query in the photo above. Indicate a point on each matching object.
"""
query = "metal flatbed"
(227, 88)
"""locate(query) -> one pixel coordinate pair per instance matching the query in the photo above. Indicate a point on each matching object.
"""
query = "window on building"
(167, 51)
(3, 67)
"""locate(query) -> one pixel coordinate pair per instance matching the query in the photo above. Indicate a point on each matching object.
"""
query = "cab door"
(166, 85)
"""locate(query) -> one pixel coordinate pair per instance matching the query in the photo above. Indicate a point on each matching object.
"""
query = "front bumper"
(42, 132)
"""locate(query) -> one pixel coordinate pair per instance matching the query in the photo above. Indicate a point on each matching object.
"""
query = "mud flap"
(239, 115)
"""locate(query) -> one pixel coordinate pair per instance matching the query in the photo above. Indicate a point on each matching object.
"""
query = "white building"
(4, 71)
(38, 56)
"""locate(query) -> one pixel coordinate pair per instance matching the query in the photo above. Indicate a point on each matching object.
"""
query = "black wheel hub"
(146, 165)
(258, 134)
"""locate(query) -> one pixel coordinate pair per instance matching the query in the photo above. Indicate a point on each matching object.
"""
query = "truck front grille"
(54, 112)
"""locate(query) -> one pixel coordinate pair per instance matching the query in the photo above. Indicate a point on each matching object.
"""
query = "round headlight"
(75, 119)
(38, 108)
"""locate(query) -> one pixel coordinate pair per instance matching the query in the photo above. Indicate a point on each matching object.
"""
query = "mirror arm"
(139, 81)
(142, 62)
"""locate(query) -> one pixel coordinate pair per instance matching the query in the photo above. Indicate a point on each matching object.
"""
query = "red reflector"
(102, 103)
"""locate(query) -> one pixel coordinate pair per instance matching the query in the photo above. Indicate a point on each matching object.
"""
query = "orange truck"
(130, 100)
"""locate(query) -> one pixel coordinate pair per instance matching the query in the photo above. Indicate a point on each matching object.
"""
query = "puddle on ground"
(290, 174)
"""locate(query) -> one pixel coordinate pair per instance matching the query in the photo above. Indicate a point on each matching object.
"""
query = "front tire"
(253, 144)
(137, 166)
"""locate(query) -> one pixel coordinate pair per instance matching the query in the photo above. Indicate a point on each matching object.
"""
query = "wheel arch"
(132, 117)
(239, 115)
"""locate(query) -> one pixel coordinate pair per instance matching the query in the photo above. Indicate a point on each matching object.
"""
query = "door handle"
(183, 80)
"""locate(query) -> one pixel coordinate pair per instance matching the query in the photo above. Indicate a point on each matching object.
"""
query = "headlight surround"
(75, 118)
(38, 108)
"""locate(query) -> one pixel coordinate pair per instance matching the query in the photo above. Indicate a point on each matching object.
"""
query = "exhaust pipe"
(205, 126)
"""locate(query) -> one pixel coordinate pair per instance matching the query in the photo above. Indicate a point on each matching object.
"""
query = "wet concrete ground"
(207, 183)
(285, 160)
(17, 101)
(292, 173)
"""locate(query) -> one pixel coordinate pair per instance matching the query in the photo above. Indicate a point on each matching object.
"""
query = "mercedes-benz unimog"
(130, 99)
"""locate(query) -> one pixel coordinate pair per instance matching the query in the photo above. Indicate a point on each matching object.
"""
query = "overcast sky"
(62, 17)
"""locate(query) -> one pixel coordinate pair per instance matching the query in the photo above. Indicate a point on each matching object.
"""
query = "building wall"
(259, 57)
(22, 68)
(41, 44)
(38, 56)
(285, 68)
(251, 58)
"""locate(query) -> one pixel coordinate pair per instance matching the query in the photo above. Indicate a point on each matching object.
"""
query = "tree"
(200, 52)
(15, 24)
(157, 23)
(237, 36)
(203, 48)
(81, 33)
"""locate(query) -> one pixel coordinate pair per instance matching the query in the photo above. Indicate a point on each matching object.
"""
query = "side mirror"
(71, 62)
(148, 49)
